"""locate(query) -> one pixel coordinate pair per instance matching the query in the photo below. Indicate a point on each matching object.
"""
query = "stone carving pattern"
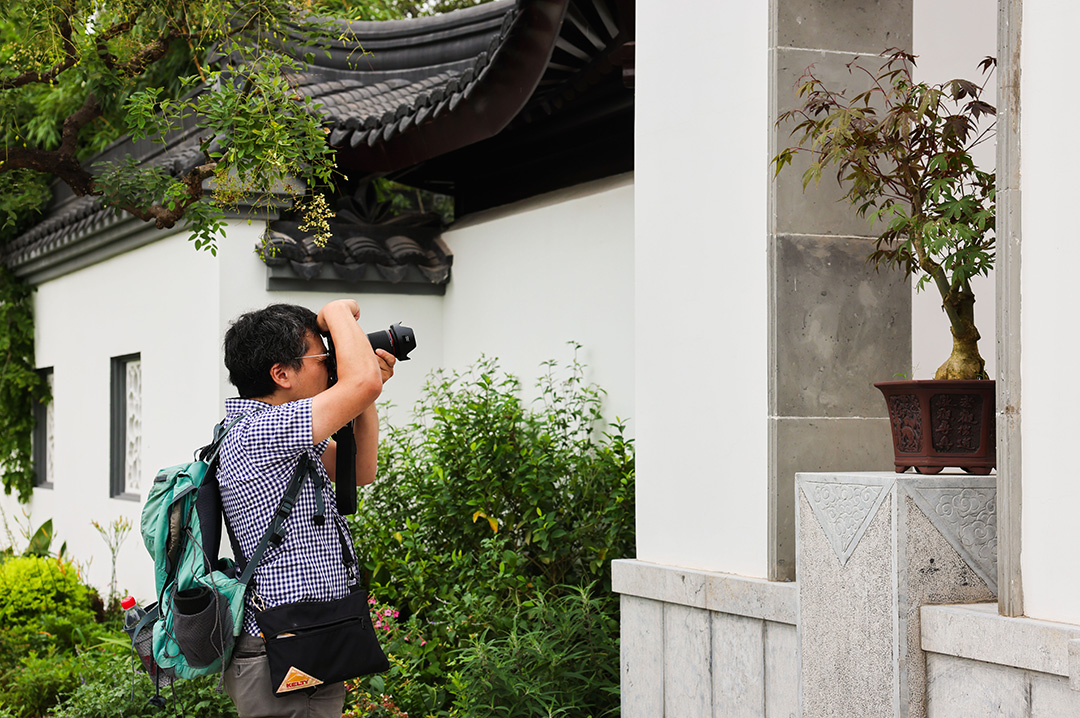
(972, 513)
(846, 508)
(906, 422)
(133, 432)
(955, 422)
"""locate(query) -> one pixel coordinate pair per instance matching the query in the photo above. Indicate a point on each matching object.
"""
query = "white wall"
(945, 54)
(1051, 493)
(532, 276)
(701, 237)
(152, 300)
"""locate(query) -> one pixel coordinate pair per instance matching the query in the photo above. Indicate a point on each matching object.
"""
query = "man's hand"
(386, 363)
(350, 304)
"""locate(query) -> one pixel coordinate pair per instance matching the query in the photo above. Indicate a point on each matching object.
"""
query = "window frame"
(118, 422)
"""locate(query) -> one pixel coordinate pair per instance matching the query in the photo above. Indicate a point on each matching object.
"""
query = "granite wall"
(698, 644)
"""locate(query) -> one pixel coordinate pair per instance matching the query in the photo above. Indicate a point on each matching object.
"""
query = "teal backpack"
(200, 600)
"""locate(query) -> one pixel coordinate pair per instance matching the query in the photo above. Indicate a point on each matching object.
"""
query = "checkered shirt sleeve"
(258, 458)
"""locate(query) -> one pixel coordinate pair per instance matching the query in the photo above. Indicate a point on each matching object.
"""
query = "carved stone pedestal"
(871, 549)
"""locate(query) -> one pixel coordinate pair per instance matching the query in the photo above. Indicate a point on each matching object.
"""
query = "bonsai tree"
(902, 153)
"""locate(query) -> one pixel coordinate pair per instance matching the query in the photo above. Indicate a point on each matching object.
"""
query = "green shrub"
(38, 683)
(107, 688)
(483, 505)
(560, 657)
(34, 585)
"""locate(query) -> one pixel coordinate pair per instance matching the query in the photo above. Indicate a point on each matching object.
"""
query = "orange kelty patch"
(295, 679)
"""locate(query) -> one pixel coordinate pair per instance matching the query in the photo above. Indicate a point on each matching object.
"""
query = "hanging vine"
(21, 386)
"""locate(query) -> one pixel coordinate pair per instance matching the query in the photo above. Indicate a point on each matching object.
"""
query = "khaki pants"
(247, 681)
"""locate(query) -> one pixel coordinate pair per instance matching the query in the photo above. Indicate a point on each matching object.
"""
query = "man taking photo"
(281, 368)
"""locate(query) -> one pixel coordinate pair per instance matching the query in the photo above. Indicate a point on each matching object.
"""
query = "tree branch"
(70, 55)
(102, 43)
(62, 161)
(162, 216)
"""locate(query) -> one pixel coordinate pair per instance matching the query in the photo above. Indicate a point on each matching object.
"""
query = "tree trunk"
(965, 362)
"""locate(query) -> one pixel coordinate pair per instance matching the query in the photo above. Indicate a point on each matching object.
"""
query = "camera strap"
(345, 474)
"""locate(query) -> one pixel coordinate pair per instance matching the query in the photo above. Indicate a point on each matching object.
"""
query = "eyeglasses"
(314, 356)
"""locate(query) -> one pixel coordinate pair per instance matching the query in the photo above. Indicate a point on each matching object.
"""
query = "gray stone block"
(867, 26)
(840, 327)
(979, 633)
(873, 548)
(1051, 697)
(641, 649)
(719, 592)
(929, 571)
(1074, 663)
(820, 210)
(752, 597)
(820, 444)
(670, 584)
(781, 671)
(969, 689)
(738, 666)
(846, 619)
(687, 662)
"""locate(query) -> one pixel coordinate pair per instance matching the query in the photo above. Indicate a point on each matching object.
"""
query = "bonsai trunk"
(965, 362)
(958, 301)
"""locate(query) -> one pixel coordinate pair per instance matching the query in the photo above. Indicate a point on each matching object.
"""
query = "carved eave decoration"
(370, 249)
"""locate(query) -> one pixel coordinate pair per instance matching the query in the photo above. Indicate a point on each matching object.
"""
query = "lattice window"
(126, 423)
(44, 437)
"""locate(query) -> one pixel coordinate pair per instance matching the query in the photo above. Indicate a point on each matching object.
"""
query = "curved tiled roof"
(397, 94)
(424, 88)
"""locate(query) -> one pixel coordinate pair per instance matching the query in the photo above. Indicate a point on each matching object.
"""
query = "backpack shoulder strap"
(208, 501)
(209, 452)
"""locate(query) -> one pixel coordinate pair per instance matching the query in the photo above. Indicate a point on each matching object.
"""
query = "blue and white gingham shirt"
(258, 458)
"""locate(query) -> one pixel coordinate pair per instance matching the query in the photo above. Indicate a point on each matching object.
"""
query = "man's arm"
(359, 380)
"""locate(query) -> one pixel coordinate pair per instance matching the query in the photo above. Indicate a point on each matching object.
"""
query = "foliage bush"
(486, 513)
(106, 689)
(560, 657)
(46, 618)
(31, 586)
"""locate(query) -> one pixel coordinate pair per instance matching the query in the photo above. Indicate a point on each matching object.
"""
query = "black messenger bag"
(309, 643)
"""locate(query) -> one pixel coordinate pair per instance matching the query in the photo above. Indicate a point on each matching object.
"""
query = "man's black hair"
(258, 340)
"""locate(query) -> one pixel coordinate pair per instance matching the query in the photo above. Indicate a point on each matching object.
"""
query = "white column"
(1049, 157)
(701, 182)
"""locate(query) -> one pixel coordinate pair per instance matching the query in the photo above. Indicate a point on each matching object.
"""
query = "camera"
(399, 340)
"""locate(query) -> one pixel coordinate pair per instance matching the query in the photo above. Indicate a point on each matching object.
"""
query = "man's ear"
(281, 376)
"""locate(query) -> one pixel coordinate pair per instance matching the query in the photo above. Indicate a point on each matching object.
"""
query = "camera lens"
(399, 340)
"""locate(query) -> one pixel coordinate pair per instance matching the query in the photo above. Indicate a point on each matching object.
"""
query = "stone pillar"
(835, 325)
(872, 549)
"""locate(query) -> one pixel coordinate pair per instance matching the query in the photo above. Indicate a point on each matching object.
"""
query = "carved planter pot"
(938, 424)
